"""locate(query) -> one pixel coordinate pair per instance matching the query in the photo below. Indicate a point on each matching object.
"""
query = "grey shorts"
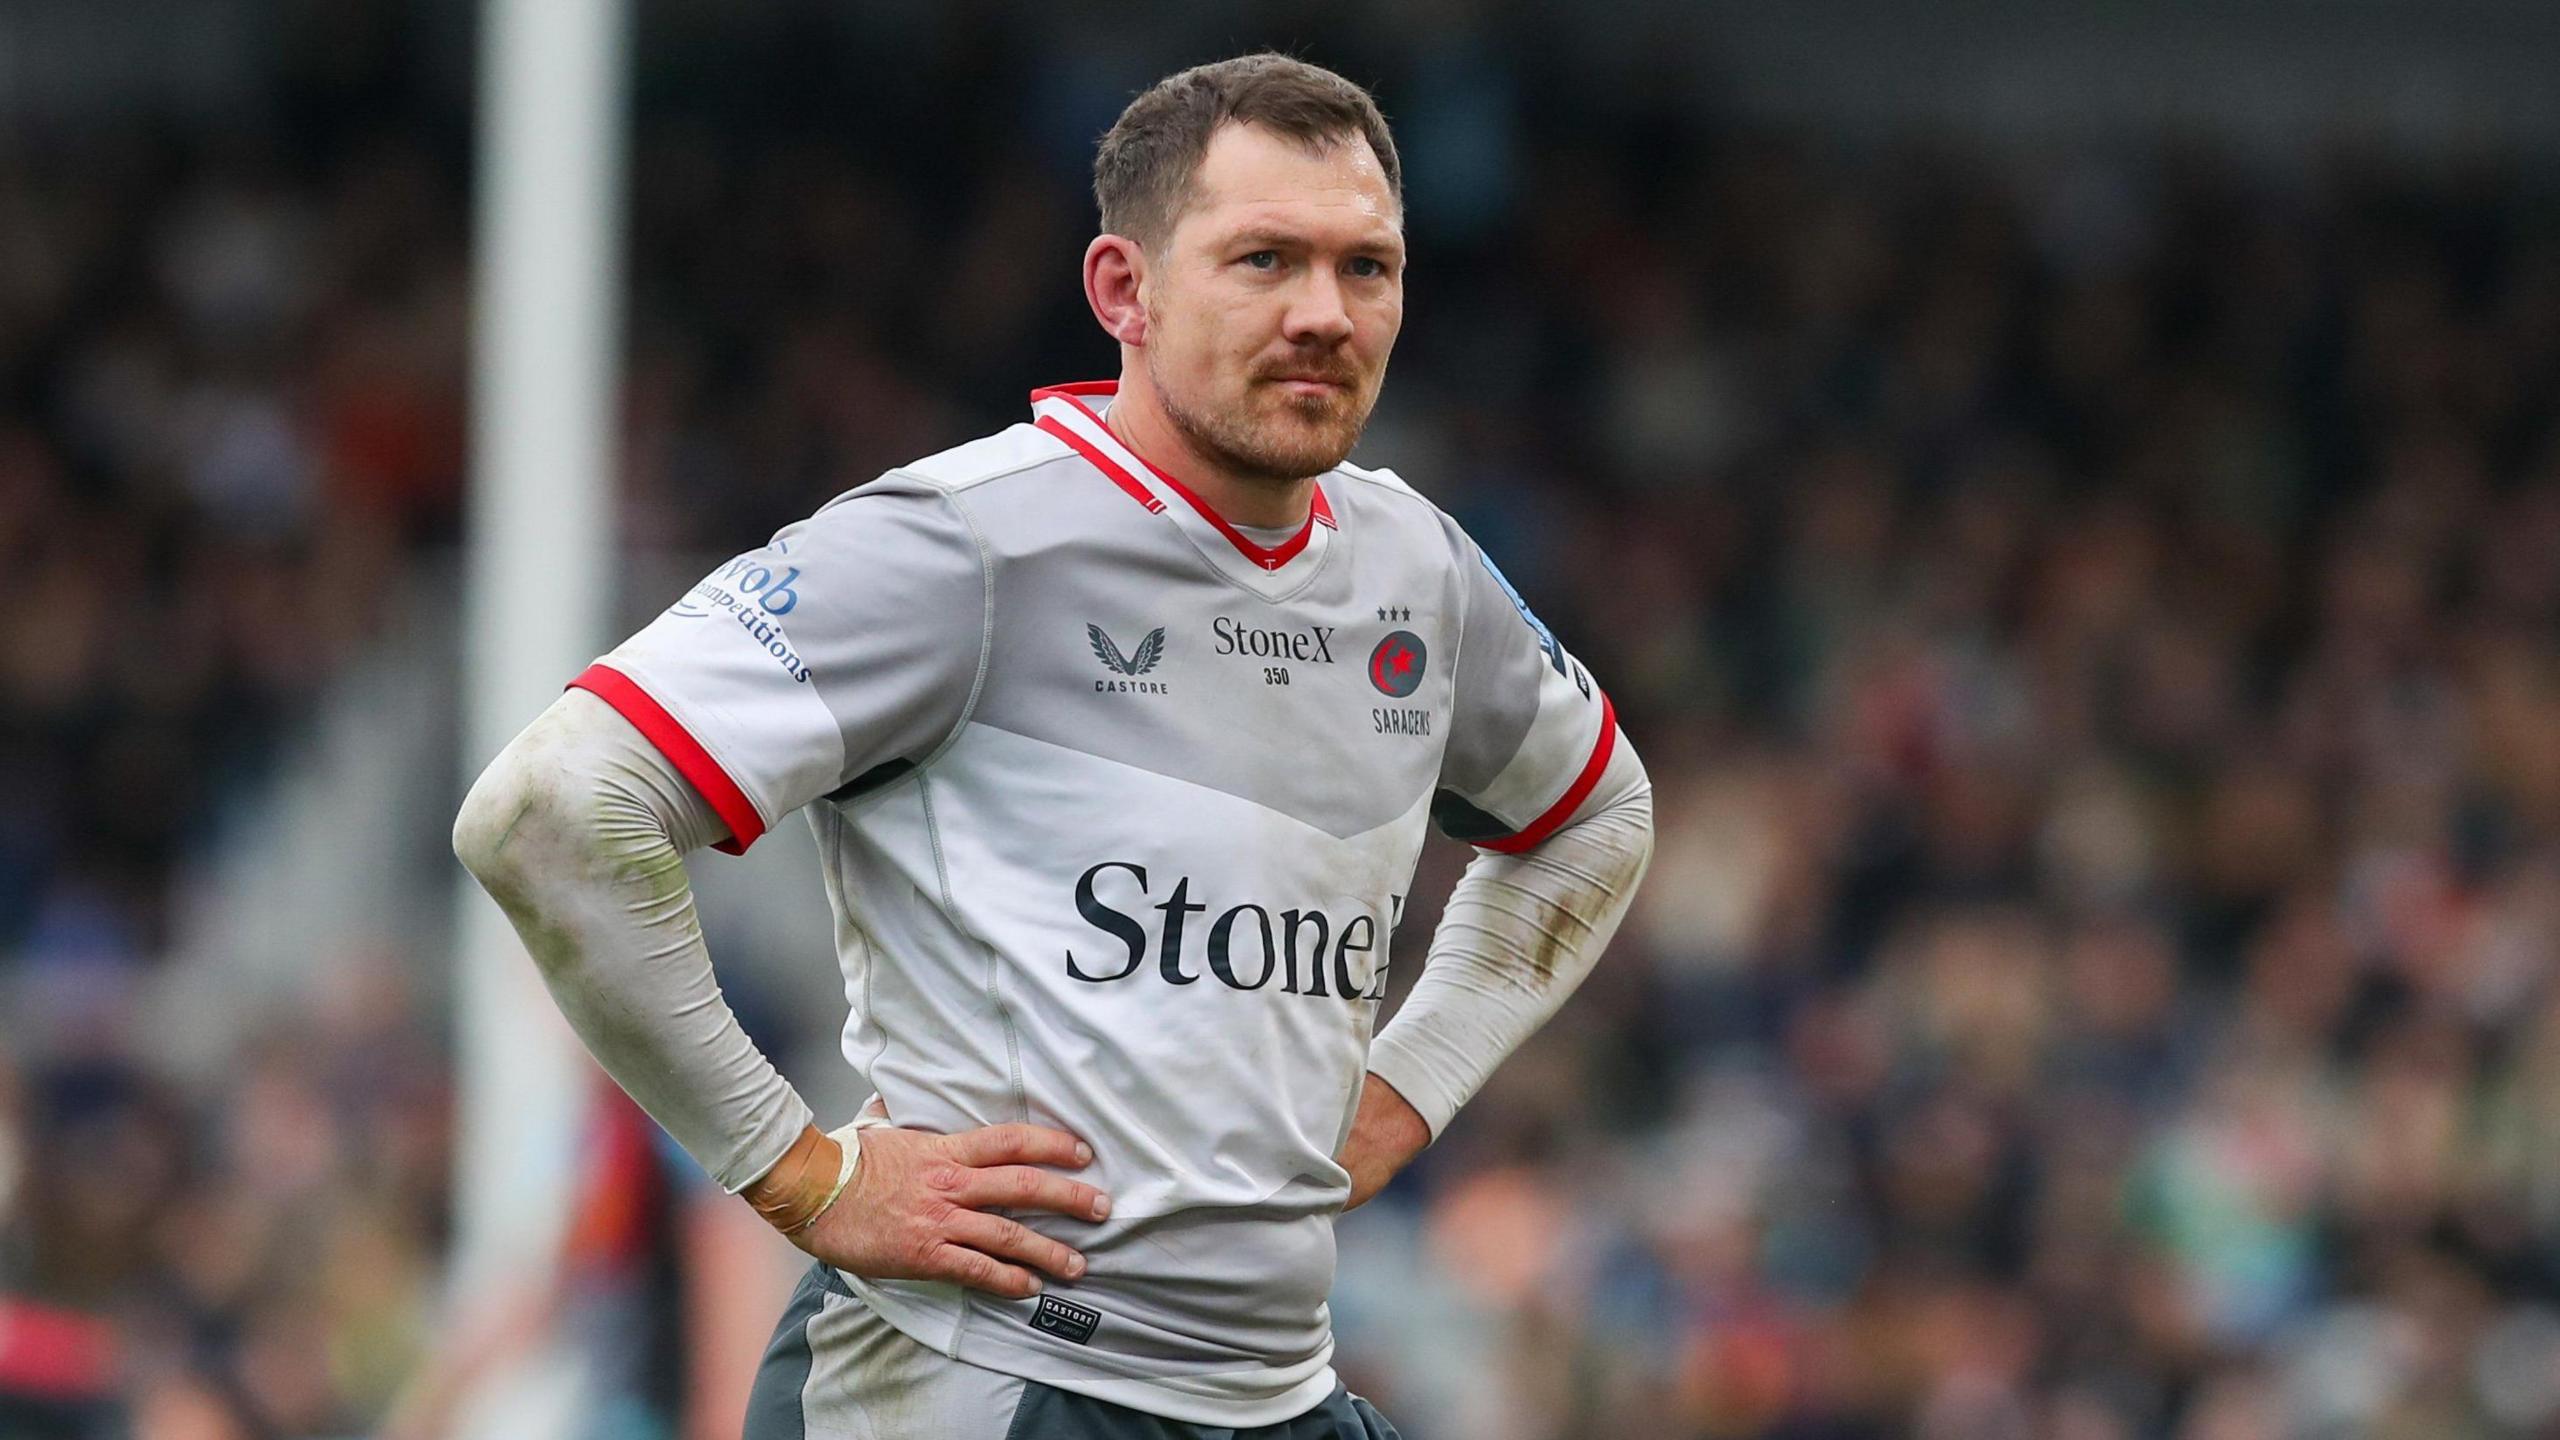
(837, 1371)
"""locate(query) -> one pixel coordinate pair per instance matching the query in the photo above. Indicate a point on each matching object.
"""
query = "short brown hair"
(1142, 174)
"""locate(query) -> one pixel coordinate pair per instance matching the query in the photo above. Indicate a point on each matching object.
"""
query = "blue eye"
(1368, 267)
(1264, 259)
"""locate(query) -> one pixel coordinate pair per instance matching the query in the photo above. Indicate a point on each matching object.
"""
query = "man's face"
(1272, 305)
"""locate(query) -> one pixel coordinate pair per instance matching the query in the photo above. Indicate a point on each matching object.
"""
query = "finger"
(1012, 1240)
(1019, 1187)
(981, 1271)
(1018, 1144)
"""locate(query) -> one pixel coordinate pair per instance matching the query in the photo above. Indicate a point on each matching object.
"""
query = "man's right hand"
(917, 1206)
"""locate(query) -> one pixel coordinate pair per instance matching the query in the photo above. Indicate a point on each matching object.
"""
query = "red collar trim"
(1268, 557)
(1076, 389)
(1111, 469)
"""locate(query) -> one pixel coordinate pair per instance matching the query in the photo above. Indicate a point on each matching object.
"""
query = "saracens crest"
(1395, 667)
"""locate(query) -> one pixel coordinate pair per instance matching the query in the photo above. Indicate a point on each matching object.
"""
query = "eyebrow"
(1278, 238)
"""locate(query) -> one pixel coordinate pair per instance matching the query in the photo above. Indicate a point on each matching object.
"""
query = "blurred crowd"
(230, 414)
(2096, 634)
(2093, 622)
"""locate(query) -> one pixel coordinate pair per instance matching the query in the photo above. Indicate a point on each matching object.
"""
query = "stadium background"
(2064, 496)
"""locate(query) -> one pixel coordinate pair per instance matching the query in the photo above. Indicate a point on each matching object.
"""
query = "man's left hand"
(1386, 1133)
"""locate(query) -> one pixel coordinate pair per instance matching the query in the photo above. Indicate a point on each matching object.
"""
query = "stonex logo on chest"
(1243, 954)
(1312, 645)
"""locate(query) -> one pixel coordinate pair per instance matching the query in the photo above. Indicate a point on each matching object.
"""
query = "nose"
(1317, 315)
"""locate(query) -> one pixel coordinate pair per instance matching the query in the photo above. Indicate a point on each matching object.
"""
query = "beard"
(1274, 436)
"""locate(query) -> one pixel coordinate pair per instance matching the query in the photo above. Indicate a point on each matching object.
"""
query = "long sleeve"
(578, 830)
(1520, 932)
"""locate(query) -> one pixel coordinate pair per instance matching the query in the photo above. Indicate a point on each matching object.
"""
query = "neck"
(1138, 418)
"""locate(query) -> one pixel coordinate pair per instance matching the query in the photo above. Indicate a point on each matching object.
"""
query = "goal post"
(539, 542)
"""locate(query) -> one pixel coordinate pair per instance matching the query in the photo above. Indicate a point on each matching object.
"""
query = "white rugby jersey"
(1117, 808)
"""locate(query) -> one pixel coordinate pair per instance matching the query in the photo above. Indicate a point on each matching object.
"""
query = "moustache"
(1348, 380)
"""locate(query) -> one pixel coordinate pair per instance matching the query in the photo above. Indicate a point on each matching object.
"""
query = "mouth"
(1311, 384)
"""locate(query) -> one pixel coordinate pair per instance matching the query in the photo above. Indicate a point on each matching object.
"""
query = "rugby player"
(1120, 731)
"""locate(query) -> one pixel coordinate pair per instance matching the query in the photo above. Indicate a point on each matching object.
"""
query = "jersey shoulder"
(1009, 451)
(937, 481)
(1382, 483)
(1382, 495)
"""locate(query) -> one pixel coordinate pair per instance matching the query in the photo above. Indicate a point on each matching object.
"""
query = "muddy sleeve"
(1521, 930)
(578, 830)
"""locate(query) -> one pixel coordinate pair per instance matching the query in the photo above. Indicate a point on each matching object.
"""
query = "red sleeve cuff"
(675, 742)
(1580, 790)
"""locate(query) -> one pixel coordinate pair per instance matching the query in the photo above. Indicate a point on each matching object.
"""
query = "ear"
(1114, 268)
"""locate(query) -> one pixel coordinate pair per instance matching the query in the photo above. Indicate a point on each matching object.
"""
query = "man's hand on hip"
(916, 1208)
(1386, 1133)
